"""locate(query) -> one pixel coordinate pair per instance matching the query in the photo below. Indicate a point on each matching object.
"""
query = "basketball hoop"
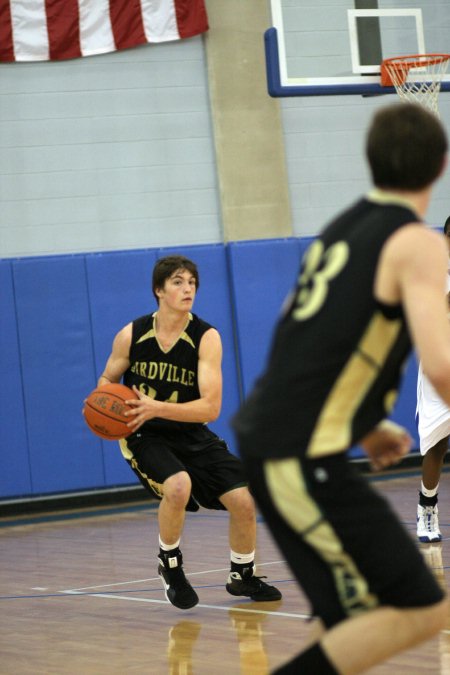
(417, 78)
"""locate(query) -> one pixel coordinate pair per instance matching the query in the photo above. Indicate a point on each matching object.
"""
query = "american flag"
(43, 30)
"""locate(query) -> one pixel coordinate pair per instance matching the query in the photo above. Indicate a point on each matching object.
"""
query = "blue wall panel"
(262, 273)
(119, 287)
(15, 478)
(58, 366)
(213, 304)
(59, 316)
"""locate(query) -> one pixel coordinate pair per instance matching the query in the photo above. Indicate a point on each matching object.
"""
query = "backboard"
(326, 47)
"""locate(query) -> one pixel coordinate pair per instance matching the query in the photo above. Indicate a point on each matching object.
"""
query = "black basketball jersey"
(337, 353)
(165, 375)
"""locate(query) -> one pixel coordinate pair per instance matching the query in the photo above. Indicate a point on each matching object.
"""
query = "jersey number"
(319, 267)
(149, 391)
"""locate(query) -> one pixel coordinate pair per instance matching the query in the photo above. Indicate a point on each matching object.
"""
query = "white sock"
(429, 493)
(168, 547)
(242, 558)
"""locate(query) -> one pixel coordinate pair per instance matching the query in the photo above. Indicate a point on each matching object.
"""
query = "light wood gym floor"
(79, 595)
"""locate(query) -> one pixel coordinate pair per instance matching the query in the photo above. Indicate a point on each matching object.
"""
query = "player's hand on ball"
(142, 409)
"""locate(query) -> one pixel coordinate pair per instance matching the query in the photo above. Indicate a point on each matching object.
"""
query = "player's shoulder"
(202, 332)
(210, 341)
(144, 320)
(200, 325)
(122, 339)
(415, 233)
(137, 327)
(416, 241)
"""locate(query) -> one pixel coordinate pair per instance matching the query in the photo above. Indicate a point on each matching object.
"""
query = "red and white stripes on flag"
(43, 30)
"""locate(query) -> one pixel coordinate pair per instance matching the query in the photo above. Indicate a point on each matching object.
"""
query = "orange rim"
(401, 65)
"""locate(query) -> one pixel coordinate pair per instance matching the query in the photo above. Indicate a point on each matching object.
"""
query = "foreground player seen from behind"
(329, 385)
(172, 359)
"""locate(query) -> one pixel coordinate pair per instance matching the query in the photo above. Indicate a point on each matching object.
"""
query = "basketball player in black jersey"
(374, 279)
(173, 361)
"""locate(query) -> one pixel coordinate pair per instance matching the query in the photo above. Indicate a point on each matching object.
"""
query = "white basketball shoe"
(428, 524)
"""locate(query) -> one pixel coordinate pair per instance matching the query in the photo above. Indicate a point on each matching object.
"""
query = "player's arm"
(204, 409)
(419, 261)
(412, 271)
(387, 444)
(119, 359)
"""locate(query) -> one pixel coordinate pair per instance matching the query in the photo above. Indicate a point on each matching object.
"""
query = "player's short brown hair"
(406, 146)
(165, 267)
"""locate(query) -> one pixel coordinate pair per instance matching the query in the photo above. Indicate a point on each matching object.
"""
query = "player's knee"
(177, 489)
(249, 506)
(242, 504)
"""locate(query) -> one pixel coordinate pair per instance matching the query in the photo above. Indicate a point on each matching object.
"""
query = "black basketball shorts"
(213, 469)
(346, 546)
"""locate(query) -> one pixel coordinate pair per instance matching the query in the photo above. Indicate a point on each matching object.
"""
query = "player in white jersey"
(433, 423)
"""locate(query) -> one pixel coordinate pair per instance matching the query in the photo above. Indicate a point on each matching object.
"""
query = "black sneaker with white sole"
(177, 588)
(253, 587)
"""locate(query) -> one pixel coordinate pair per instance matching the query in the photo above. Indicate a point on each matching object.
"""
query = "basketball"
(105, 408)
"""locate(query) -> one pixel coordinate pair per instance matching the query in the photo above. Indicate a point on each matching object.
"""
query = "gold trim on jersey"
(333, 430)
(385, 197)
(152, 334)
(185, 336)
(157, 488)
(147, 336)
(287, 487)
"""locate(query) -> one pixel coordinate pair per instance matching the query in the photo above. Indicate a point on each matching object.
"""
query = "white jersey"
(432, 414)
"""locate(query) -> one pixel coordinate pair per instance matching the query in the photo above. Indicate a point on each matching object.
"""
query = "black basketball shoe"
(177, 588)
(252, 586)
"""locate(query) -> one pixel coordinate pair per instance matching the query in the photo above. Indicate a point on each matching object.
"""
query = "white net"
(417, 78)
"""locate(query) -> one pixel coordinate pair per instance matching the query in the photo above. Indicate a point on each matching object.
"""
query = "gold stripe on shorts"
(290, 496)
(157, 488)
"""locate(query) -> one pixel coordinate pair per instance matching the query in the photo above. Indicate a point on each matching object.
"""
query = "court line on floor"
(288, 615)
(250, 610)
(223, 608)
(190, 574)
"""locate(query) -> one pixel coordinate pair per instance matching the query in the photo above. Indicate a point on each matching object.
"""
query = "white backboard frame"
(354, 14)
(365, 79)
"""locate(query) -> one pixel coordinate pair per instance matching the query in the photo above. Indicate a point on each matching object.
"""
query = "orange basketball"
(105, 408)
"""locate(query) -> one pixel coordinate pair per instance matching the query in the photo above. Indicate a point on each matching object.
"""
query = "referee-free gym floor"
(80, 595)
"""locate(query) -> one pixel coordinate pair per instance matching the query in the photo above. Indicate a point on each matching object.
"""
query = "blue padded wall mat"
(213, 304)
(262, 274)
(15, 477)
(58, 319)
(58, 369)
(119, 288)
